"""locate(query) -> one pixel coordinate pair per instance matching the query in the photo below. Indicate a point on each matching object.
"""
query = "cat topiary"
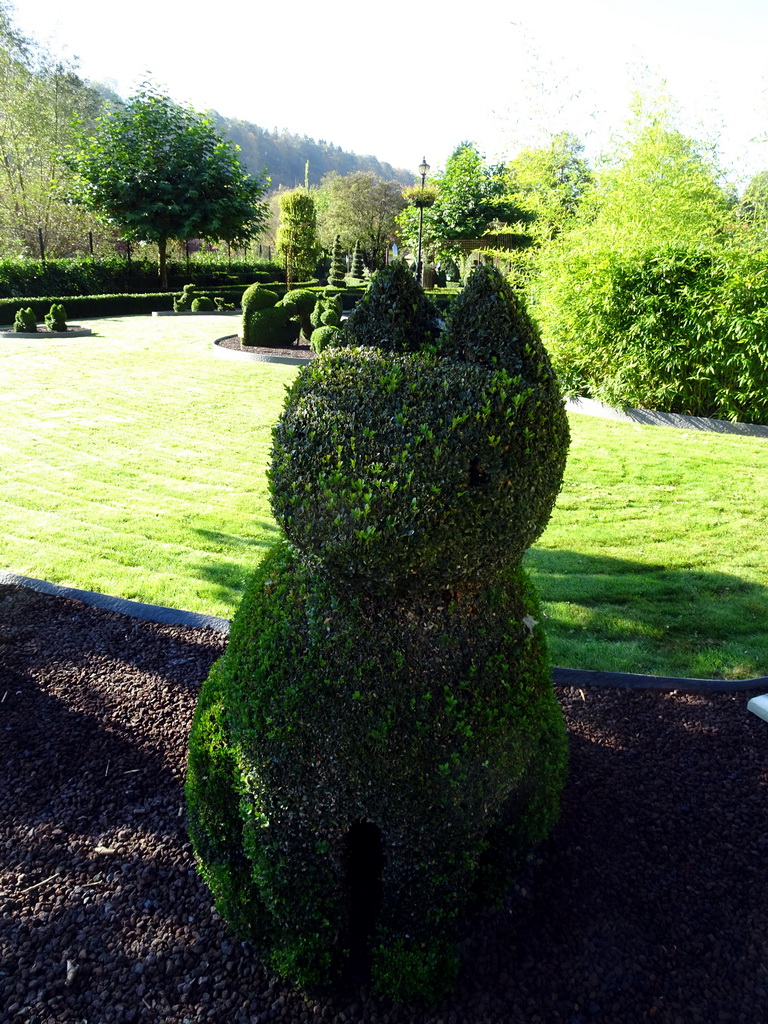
(381, 746)
(25, 321)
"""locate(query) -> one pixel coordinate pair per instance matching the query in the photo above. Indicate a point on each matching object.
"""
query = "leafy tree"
(297, 243)
(39, 97)
(159, 171)
(359, 207)
(633, 276)
(548, 185)
(470, 195)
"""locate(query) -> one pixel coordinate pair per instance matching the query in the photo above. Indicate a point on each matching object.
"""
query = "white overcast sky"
(402, 79)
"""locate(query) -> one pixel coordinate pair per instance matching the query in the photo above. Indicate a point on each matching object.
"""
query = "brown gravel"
(649, 902)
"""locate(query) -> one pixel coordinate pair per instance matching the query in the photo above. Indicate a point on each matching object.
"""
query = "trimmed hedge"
(24, 277)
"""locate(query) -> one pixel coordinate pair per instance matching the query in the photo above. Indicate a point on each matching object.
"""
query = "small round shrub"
(393, 314)
(202, 304)
(25, 321)
(322, 337)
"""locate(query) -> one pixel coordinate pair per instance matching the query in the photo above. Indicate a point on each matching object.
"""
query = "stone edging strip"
(136, 609)
(560, 676)
(647, 417)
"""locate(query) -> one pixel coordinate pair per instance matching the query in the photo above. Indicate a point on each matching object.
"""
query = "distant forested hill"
(285, 155)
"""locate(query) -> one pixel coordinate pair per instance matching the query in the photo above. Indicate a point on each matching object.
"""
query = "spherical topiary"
(361, 772)
(202, 303)
(322, 337)
(254, 300)
(300, 305)
(393, 314)
(405, 473)
(25, 321)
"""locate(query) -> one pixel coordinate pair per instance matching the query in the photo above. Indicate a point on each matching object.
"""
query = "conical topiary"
(357, 270)
(337, 272)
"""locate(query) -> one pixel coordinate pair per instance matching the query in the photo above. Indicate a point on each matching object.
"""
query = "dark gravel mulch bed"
(299, 350)
(648, 903)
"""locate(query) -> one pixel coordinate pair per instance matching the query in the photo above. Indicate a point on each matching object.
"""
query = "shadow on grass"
(627, 616)
(228, 576)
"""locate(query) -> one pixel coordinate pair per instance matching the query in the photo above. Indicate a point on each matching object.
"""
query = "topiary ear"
(394, 314)
(488, 324)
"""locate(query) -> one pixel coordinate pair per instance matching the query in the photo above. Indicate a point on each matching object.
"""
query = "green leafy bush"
(322, 337)
(381, 746)
(222, 305)
(357, 270)
(270, 327)
(393, 314)
(25, 321)
(300, 304)
(183, 303)
(678, 329)
(202, 304)
(327, 310)
(255, 300)
(56, 317)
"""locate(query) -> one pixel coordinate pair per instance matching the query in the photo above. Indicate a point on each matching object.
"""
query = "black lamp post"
(423, 171)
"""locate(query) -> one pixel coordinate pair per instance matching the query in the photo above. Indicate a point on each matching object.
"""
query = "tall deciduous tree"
(159, 171)
(548, 184)
(297, 242)
(362, 208)
(470, 195)
(39, 96)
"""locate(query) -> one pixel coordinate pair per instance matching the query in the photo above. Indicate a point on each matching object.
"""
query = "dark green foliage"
(322, 337)
(394, 314)
(488, 324)
(270, 327)
(677, 329)
(22, 277)
(384, 710)
(255, 300)
(25, 321)
(221, 304)
(300, 305)
(327, 311)
(337, 273)
(183, 303)
(202, 304)
(357, 270)
(415, 473)
(320, 704)
(56, 317)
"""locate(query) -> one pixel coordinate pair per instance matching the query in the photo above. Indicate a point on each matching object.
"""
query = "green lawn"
(133, 464)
